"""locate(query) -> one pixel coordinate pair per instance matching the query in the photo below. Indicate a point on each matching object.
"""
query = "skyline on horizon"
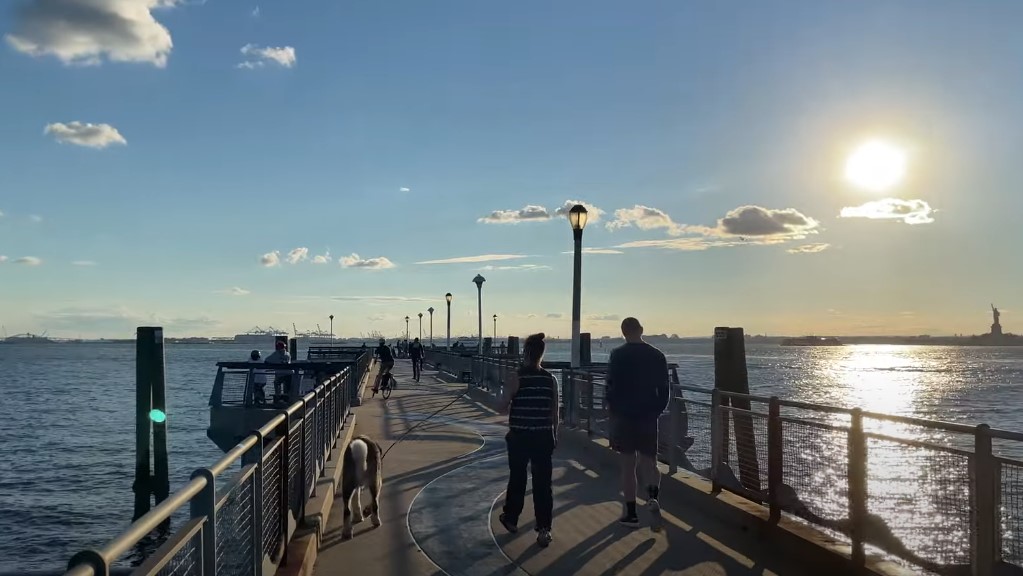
(209, 167)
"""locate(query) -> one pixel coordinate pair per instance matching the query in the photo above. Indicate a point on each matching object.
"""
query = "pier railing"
(941, 496)
(243, 510)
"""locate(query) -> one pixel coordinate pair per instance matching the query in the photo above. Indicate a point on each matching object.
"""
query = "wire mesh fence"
(272, 498)
(1011, 510)
(697, 456)
(187, 561)
(235, 519)
(747, 456)
(816, 469)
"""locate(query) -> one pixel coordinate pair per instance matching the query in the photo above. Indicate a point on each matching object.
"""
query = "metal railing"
(240, 525)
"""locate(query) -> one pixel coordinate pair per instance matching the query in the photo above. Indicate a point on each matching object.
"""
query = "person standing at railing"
(636, 394)
(282, 377)
(416, 354)
(531, 402)
(258, 380)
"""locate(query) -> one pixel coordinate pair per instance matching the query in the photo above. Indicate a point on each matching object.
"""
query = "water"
(67, 418)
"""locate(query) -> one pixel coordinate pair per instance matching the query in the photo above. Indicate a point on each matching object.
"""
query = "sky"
(212, 166)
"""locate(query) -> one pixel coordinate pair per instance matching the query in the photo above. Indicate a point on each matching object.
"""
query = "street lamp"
(420, 326)
(495, 329)
(577, 218)
(406, 329)
(478, 281)
(448, 298)
(331, 329)
(430, 310)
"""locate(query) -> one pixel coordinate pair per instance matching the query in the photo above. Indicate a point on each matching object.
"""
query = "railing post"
(307, 492)
(99, 564)
(717, 438)
(775, 451)
(857, 466)
(675, 433)
(255, 456)
(204, 505)
(318, 424)
(984, 485)
(285, 502)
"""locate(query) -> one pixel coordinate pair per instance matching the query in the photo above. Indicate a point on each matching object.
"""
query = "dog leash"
(421, 422)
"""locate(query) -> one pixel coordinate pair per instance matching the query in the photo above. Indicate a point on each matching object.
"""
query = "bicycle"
(387, 384)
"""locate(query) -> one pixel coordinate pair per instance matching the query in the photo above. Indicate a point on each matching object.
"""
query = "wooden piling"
(730, 376)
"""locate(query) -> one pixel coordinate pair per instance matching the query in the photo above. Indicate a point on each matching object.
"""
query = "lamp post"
(495, 329)
(331, 329)
(577, 218)
(448, 298)
(430, 310)
(406, 329)
(478, 281)
(420, 326)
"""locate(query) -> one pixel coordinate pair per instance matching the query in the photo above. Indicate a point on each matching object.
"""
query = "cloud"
(644, 218)
(593, 213)
(555, 315)
(258, 57)
(530, 213)
(808, 249)
(35, 218)
(85, 32)
(909, 211)
(3, 258)
(1, 214)
(236, 291)
(384, 298)
(85, 134)
(604, 317)
(322, 258)
(404, 189)
(473, 259)
(271, 259)
(117, 321)
(297, 255)
(519, 267)
(353, 261)
(376, 318)
(84, 263)
(597, 251)
(255, 12)
(28, 261)
(741, 226)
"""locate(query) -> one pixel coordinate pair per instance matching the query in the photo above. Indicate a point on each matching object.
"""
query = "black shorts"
(629, 436)
(386, 366)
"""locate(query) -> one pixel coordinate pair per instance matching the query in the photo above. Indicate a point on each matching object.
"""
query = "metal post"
(495, 330)
(420, 327)
(255, 456)
(857, 487)
(161, 472)
(145, 359)
(718, 438)
(331, 329)
(431, 325)
(576, 293)
(479, 305)
(984, 516)
(204, 505)
(675, 418)
(448, 298)
(284, 511)
(774, 459)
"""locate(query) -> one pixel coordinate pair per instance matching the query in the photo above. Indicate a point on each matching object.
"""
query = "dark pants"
(535, 449)
(417, 367)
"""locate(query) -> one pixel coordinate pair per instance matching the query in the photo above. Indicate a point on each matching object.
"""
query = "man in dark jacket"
(637, 393)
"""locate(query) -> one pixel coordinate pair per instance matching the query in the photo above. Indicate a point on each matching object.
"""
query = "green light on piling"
(157, 416)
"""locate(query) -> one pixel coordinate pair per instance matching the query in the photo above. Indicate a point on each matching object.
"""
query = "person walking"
(416, 353)
(637, 392)
(531, 401)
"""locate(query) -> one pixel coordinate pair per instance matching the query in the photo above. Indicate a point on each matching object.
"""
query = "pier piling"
(150, 419)
(730, 376)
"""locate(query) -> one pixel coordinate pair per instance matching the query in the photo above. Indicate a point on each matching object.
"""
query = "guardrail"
(240, 526)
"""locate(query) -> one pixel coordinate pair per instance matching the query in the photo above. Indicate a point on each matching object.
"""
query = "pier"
(751, 485)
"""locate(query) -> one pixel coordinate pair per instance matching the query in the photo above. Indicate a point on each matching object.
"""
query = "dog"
(362, 468)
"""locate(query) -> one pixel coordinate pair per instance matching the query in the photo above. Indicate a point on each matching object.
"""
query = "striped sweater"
(534, 402)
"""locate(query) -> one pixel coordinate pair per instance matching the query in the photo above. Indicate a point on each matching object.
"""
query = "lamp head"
(577, 217)
(420, 314)
(448, 297)
(430, 309)
(479, 280)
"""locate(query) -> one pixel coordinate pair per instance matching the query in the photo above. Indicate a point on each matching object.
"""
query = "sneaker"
(508, 524)
(655, 514)
(543, 539)
(630, 520)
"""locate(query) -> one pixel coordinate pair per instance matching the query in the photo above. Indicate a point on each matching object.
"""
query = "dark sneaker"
(630, 520)
(508, 524)
(656, 522)
(543, 539)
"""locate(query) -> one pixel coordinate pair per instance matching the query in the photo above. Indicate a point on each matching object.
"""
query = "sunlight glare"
(876, 166)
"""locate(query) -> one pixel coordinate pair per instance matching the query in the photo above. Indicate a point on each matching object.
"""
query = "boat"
(812, 341)
(28, 338)
(259, 336)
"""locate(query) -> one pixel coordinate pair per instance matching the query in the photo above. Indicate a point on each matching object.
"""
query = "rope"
(420, 423)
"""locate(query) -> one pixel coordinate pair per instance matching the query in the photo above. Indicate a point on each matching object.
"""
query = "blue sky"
(154, 153)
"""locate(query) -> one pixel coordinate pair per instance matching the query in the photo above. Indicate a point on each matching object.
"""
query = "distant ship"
(28, 338)
(812, 341)
(259, 336)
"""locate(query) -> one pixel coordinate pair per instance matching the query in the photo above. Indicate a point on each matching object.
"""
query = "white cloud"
(35, 218)
(530, 213)
(909, 211)
(518, 267)
(474, 259)
(270, 259)
(118, 321)
(85, 134)
(593, 213)
(84, 263)
(604, 317)
(741, 226)
(3, 258)
(322, 258)
(1, 214)
(85, 32)
(28, 261)
(809, 248)
(596, 251)
(297, 255)
(555, 315)
(384, 298)
(354, 261)
(644, 218)
(404, 189)
(236, 291)
(259, 56)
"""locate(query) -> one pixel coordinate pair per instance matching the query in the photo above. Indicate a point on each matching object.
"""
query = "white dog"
(362, 468)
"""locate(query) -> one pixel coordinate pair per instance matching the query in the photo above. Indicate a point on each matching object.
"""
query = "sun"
(876, 166)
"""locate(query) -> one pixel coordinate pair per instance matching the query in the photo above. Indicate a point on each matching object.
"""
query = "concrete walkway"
(444, 486)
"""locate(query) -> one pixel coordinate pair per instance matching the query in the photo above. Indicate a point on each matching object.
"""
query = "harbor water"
(67, 417)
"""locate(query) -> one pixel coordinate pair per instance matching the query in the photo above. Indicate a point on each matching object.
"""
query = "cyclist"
(383, 353)
(416, 352)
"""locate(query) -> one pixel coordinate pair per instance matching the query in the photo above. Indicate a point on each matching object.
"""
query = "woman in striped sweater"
(531, 402)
